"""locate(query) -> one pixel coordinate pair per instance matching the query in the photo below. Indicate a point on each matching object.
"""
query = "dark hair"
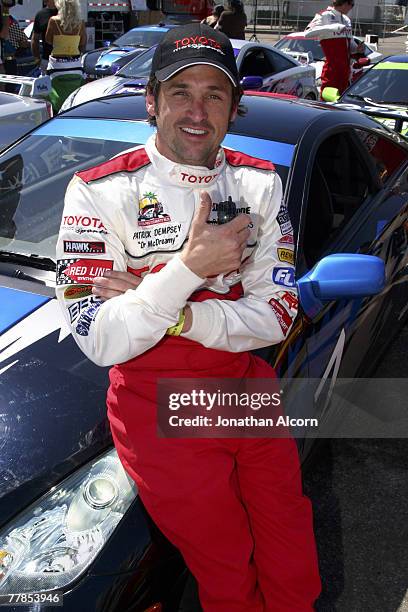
(217, 10)
(341, 2)
(153, 87)
(236, 5)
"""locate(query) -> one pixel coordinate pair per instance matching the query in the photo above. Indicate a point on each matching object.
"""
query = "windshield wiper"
(362, 98)
(36, 261)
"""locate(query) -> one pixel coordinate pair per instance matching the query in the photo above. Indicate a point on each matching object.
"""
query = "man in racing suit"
(205, 295)
(332, 27)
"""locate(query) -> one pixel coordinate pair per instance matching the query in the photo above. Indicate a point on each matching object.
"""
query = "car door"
(355, 200)
(356, 204)
(279, 73)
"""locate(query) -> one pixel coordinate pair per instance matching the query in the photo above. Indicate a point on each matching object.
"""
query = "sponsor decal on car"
(77, 308)
(284, 318)
(77, 291)
(286, 255)
(80, 271)
(83, 247)
(284, 276)
(151, 211)
(86, 318)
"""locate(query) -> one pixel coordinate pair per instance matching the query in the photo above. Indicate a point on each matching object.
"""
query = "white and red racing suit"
(333, 29)
(211, 497)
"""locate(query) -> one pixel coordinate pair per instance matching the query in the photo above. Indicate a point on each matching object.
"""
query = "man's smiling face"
(193, 112)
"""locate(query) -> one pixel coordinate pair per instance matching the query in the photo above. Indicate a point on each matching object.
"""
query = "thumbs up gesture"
(215, 249)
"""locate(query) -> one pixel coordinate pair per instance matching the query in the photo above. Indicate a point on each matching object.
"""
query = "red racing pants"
(233, 507)
(336, 69)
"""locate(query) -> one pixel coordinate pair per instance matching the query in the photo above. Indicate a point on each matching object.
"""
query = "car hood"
(108, 58)
(399, 109)
(52, 400)
(96, 89)
(107, 86)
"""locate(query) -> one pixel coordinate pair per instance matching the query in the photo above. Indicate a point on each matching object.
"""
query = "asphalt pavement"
(359, 491)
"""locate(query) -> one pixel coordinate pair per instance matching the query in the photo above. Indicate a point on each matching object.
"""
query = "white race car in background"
(297, 46)
(261, 67)
(21, 112)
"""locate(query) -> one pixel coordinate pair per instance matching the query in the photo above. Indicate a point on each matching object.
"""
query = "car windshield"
(35, 172)
(138, 67)
(34, 175)
(301, 45)
(387, 86)
(140, 38)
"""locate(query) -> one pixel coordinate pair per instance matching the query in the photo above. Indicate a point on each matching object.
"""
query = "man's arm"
(35, 46)
(119, 329)
(266, 313)
(322, 27)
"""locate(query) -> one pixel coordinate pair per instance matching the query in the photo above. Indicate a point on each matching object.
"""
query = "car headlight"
(52, 542)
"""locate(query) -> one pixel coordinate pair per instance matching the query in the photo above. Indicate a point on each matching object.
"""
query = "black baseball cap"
(190, 45)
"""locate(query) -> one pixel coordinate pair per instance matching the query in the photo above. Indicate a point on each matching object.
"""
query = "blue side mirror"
(341, 276)
(252, 82)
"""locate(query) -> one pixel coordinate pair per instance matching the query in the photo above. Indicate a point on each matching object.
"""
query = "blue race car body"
(345, 180)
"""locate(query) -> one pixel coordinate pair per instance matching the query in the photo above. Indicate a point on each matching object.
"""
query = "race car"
(382, 92)
(71, 523)
(261, 67)
(98, 62)
(21, 112)
(297, 45)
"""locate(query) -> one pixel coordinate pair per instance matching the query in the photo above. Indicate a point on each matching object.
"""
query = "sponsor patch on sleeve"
(76, 292)
(83, 247)
(283, 220)
(286, 255)
(284, 318)
(289, 299)
(284, 277)
(77, 308)
(87, 317)
(81, 271)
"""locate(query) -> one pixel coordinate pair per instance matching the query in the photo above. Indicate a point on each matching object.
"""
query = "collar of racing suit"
(181, 174)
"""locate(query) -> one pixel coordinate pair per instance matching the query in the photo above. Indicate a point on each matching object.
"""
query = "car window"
(302, 45)
(33, 180)
(278, 62)
(256, 63)
(387, 156)
(138, 67)
(341, 181)
(139, 38)
(381, 85)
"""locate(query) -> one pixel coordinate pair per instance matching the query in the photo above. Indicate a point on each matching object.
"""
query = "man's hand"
(215, 249)
(114, 283)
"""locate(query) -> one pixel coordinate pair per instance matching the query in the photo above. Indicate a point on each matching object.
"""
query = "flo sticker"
(151, 211)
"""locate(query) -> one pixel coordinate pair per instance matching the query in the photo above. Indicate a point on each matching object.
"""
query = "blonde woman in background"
(67, 35)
